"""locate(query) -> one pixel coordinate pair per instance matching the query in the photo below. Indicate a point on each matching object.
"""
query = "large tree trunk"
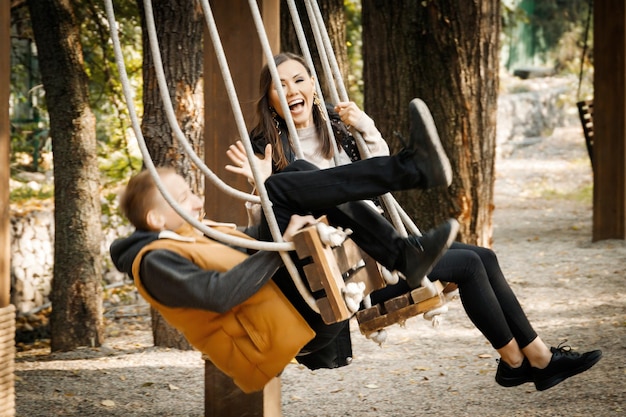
(179, 26)
(76, 295)
(446, 53)
(335, 22)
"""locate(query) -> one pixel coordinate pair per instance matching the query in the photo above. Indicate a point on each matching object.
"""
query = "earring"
(318, 104)
(275, 118)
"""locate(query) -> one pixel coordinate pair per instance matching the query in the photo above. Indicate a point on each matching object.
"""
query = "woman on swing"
(484, 292)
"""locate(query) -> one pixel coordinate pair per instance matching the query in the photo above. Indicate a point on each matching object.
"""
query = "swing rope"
(331, 68)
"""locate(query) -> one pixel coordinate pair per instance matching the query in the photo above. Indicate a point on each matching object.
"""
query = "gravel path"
(570, 288)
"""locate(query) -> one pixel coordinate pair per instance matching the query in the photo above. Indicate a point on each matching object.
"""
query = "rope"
(332, 72)
(398, 216)
(306, 53)
(329, 63)
(128, 95)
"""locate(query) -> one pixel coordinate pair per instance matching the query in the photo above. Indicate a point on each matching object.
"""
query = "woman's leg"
(303, 189)
(516, 319)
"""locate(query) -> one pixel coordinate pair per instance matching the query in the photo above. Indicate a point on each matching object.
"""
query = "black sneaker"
(428, 153)
(512, 377)
(564, 363)
(427, 250)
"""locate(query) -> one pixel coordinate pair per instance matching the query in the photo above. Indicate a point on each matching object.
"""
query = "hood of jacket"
(124, 250)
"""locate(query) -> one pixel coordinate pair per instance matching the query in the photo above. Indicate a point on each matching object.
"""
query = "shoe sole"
(428, 122)
(562, 376)
(509, 383)
(454, 229)
(422, 274)
(512, 382)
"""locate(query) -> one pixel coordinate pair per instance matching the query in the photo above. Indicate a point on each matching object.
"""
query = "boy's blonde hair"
(139, 197)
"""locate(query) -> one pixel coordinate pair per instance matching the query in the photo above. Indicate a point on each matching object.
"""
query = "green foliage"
(354, 83)
(27, 193)
(547, 32)
(113, 125)
(30, 125)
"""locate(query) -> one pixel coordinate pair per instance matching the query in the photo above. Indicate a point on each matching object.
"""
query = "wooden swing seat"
(331, 269)
(399, 309)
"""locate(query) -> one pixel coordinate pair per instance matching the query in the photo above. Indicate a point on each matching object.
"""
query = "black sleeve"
(177, 282)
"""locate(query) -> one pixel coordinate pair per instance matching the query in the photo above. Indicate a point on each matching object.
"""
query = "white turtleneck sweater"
(311, 145)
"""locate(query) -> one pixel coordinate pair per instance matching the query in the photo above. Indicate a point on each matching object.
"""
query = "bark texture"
(179, 27)
(76, 296)
(446, 53)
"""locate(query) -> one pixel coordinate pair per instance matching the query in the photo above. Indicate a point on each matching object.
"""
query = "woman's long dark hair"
(267, 118)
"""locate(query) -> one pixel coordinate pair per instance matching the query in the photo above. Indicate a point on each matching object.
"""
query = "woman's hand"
(350, 113)
(296, 223)
(237, 154)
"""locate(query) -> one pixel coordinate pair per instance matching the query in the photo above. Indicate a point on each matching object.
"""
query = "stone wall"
(531, 109)
(32, 256)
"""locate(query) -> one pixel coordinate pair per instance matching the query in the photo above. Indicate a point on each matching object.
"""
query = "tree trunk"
(179, 26)
(76, 295)
(335, 21)
(446, 53)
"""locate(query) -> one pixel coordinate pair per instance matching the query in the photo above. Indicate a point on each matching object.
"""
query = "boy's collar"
(168, 234)
(187, 233)
(213, 223)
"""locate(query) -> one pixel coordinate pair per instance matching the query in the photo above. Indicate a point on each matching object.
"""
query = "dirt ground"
(572, 289)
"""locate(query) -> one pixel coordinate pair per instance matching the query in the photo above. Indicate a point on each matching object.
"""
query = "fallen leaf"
(108, 403)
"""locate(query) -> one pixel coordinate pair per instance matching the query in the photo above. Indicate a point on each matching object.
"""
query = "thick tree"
(179, 26)
(446, 53)
(76, 296)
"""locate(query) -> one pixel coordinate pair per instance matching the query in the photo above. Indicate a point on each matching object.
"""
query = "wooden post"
(245, 58)
(5, 149)
(609, 124)
(7, 311)
(222, 398)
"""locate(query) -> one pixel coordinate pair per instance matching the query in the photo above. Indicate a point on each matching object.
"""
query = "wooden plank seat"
(329, 270)
(585, 111)
(401, 308)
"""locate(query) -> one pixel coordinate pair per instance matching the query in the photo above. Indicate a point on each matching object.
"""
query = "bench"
(585, 111)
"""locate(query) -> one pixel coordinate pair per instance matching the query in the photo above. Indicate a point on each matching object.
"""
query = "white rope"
(330, 67)
(293, 271)
(306, 53)
(128, 95)
(171, 115)
(333, 74)
(269, 55)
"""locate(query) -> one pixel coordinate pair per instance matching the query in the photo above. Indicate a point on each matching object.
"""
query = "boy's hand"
(237, 154)
(297, 223)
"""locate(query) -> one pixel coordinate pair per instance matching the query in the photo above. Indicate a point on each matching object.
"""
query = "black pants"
(304, 189)
(486, 295)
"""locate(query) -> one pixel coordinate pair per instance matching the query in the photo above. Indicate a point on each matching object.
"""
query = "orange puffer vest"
(253, 342)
